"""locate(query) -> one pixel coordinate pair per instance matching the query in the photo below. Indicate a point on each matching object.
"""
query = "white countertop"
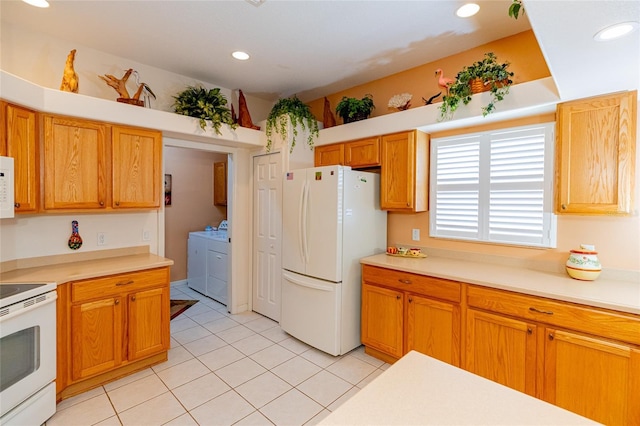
(621, 296)
(420, 390)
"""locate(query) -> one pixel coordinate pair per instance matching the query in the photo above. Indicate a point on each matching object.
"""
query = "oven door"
(27, 350)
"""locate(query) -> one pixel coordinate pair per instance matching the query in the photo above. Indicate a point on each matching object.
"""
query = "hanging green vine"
(298, 113)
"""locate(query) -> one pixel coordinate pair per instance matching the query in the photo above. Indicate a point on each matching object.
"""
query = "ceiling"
(315, 48)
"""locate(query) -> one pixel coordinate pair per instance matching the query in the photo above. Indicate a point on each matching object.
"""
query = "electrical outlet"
(146, 236)
(102, 239)
(415, 234)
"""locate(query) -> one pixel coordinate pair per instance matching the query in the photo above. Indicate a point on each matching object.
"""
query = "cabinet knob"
(117, 203)
(16, 205)
(116, 302)
(101, 203)
(133, 298)
(529, 330)
(410, 299)
(564, 206)
(551, 336)
(397, 297)
(408, 204)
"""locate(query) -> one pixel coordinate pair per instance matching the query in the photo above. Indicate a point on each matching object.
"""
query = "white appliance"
(207, 264)
(331, 219)
(6, 187)
(27, 353)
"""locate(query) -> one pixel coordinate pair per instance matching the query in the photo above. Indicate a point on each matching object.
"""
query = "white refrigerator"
(331, 219)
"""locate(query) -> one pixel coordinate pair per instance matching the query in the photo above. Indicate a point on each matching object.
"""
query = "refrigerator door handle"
(301, 223)
(304, 224)
(301, 283)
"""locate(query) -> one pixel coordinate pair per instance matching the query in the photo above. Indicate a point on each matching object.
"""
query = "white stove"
(27, 353)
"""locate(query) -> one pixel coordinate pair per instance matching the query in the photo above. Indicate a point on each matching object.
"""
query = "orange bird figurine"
(443, 81)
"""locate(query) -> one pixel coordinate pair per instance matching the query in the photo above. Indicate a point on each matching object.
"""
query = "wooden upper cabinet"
(362, 153)
(329, 155)
(595, 164)
(76, 163)
(137, 167)
(404, 177)
(358, 154)
(20, 141)
(220, 184)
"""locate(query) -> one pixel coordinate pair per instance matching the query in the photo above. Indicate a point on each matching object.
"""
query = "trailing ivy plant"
(515, 8)
(493, 74)
(205, 105)
(298, 113)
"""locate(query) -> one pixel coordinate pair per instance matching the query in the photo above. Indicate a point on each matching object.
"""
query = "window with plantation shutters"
(494, 186)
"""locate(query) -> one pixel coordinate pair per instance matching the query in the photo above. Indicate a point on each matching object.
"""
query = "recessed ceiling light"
(256, 3)
(467, 10)
(241, 56)
(37, 3)
(616, 31)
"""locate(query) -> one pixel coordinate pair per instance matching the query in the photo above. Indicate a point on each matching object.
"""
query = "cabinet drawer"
(405, 281)
(118, 284)
(217, 265)
(219, 246)
(618, 326)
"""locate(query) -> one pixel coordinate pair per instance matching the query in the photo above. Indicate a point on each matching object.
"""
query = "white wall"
(27, 236)
(40, 59)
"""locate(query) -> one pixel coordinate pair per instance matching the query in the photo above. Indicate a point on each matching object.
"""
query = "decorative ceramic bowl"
(583, 264)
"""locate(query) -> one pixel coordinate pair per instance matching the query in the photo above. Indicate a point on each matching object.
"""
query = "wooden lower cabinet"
(593, 377)
(382, 319)
(502, 349)
(111, 326)
(399, 316)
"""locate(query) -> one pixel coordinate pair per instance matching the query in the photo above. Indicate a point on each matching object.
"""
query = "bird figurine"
(69, 76)
(431, 99)
(443, 81)
(143, 88)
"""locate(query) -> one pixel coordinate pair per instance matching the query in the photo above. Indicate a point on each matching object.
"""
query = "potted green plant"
(294, 110)
(205, 105)
(352, 109)
(485, 75)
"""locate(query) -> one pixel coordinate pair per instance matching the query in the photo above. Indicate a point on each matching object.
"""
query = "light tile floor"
(226, 369)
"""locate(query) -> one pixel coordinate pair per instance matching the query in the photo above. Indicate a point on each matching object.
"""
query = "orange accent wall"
(521, 50)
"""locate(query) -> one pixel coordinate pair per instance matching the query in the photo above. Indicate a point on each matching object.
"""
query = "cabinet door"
(329, 155)
(403, 173)
(148, 322)
(502, 349)
(22, 145)
(362, 153)
(596, 154)
(137, 165)
(96, 337)
(220, 184)
(433, 328)
(75, 164)
(592, 377)
(382, 322)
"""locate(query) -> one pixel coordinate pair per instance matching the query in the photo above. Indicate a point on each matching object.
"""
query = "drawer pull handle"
(404, 281)
(532, 309)
(127, 283)
(218, 257)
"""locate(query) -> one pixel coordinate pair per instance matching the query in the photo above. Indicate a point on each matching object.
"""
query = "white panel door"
(267, 235)
(323, 232)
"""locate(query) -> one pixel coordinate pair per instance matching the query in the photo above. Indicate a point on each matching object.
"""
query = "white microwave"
(6, 187)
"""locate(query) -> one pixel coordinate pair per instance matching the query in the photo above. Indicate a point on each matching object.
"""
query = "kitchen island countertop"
(420, 390)
(623, 296)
